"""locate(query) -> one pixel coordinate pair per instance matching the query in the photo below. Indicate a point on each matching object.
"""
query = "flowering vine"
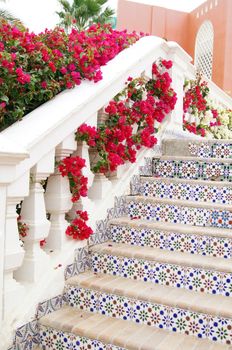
(201, 116)
(78, 229)
(132, 118)
(35, 67)
(72, 168)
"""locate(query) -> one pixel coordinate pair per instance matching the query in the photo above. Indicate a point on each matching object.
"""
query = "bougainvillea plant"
(78, 229)
(36, 67)
(72, 168)
(133, 117)
(201, 116)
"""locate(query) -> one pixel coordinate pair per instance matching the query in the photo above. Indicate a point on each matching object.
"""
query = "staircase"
(158, 274)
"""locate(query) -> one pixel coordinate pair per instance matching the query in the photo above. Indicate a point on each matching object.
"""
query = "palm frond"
(81, 13)
(7, 16)
(65, 4)
(101, 2)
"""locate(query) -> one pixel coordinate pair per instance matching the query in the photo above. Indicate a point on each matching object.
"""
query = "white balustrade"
(33, 213)
(48, 132)
(58, 197)
(218, 96)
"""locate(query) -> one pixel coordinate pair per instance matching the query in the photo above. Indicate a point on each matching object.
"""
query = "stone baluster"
(58, 197)
(14, 252)
(33, 213)
(3, 197)
(101, 185)
(180, 61)
(11, 155)
(102, 116)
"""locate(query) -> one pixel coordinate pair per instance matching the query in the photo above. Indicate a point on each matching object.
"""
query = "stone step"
(69, 328)
(138, 301)
(200, 240)
(179, 212)
(201, 148)
(193, 168)
(185, 189)
(181, 270)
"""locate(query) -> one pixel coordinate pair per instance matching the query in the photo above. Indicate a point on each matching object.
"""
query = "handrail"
(64, 113)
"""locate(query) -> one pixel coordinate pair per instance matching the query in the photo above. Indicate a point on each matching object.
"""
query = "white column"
(14, 254)
(33, 213)
(10, 156)
(181, 62)
(2, 244)
(101, 187)
(102, 116)
(58, 197)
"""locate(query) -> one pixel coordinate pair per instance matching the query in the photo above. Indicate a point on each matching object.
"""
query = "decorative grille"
(204, 49)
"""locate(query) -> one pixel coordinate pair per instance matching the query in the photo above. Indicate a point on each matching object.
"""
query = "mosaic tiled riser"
(204, 150)
(183, 191)
(155, 315)
(179, 214)
(191, 278)
(58, 340)
(26, 336)
(192, 170)
(194, 244)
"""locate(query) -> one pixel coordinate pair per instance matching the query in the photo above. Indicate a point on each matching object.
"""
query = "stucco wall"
(134, 16)
(183, 27)
(222, 54)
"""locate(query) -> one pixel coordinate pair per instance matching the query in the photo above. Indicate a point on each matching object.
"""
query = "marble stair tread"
(180, 202)
(195, 182)
(125, 334)
(164, 256)
(180, 228)
(216, 305)
(195, 159)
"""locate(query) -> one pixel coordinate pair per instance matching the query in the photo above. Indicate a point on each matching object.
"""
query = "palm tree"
(7, 16)
(82, 13)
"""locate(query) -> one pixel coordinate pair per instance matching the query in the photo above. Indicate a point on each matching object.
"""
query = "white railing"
(218, 96)
(28, 151)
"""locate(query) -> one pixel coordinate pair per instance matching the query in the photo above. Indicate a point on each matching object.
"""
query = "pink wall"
(219, 17)
(182, 28)
(169, 24)
(134, 16)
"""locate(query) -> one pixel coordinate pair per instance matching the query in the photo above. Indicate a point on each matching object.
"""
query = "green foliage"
(82, 13)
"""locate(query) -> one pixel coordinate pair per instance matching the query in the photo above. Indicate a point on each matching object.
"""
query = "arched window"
(204, 49)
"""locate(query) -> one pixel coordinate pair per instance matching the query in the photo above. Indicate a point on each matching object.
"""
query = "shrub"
(34, 68)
